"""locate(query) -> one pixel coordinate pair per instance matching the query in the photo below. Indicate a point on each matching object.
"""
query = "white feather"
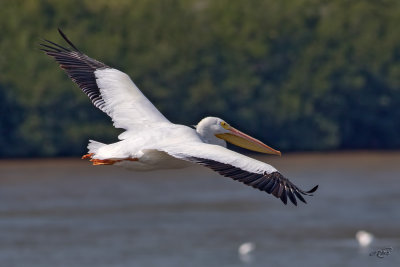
(94, 146)
(124, 102)
(219, 154)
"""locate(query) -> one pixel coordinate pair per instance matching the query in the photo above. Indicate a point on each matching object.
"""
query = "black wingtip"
(312, 190)
(53, 49)
(291, 196)
(284, 197)
(299, 196)
(67, 40)
(45, 50)
(57, 45)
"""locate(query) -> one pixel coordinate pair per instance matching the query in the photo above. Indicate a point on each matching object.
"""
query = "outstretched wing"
(110, 90)
(244, 169)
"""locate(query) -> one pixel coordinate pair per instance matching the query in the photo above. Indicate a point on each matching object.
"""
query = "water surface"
(69, 213)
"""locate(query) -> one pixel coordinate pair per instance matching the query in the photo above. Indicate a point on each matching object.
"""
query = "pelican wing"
(244, 169)
(110, 90)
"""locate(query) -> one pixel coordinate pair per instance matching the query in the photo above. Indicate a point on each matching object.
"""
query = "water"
(69, 213)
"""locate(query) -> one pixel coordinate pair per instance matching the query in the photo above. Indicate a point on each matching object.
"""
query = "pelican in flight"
(151, 141)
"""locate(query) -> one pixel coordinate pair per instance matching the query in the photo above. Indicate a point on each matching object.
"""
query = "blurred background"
(303, 75)
(310, 77)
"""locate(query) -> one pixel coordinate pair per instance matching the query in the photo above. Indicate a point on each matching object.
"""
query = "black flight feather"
(273, 183)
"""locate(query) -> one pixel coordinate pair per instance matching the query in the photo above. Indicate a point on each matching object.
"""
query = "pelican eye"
(224, 125)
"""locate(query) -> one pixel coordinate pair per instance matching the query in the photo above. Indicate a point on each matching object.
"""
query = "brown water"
(69, 213)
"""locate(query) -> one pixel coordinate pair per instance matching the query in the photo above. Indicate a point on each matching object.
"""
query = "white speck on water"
(364, 238)
(246, 248)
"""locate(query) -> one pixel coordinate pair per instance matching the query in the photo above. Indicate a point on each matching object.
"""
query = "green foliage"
(299, 74)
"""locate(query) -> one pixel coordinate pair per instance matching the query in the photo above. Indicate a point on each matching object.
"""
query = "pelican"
(150, 141)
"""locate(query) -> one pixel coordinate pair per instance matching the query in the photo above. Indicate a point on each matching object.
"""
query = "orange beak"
(243, 140)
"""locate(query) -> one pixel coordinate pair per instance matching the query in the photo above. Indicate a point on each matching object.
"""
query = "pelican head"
(216, 131)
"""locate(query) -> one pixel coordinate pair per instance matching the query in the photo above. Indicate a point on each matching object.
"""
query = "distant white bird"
(246, 248)
(364, 238)
(153, 142)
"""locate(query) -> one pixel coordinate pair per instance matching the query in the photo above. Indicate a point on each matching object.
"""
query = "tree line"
(297, 74)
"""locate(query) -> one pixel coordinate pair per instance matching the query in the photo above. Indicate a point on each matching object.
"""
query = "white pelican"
(152, 142)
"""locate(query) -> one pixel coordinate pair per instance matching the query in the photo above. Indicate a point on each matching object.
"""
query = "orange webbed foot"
(103, 161)
(87, 156)
(110, 161)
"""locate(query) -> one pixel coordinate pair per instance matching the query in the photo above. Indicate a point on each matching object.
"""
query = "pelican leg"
(110, 161)
(103, 161)
(87, 156)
